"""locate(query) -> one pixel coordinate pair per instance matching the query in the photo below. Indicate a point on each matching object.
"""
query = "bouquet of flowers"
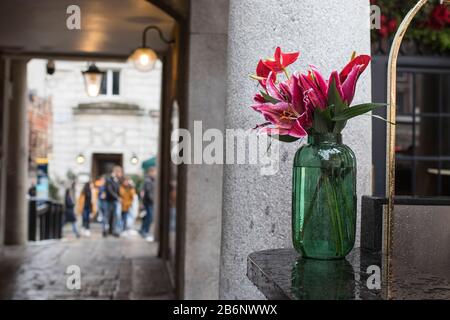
(306, 103)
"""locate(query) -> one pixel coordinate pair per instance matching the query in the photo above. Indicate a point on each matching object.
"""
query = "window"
(111, 83)
(423, 126)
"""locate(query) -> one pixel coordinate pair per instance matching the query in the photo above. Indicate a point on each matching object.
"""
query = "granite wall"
(257, 209)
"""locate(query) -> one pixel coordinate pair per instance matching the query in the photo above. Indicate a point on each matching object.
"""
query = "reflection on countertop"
(283, 274)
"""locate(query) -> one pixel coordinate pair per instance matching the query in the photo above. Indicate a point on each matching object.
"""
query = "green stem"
(312, 203)
(348, 208)
(334, 210)
(286, 73)
(338, 218)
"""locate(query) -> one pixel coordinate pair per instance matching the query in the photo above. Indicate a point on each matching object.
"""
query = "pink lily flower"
(349, 77)
(289, 106)
(263, 72)
(281, 60)
(281, 120)
(295, 131)
(259, 98)
(315, 88)
(289, 115)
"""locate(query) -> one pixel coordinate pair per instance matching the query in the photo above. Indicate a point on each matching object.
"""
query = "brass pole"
(392, 103)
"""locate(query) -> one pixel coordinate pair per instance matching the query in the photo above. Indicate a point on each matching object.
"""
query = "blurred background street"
(115, 268)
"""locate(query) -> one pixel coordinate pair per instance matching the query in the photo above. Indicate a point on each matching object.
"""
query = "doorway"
(103, 163)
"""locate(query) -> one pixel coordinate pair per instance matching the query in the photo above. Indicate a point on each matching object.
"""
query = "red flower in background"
(439, 17)
(392, 25)
(388, 26)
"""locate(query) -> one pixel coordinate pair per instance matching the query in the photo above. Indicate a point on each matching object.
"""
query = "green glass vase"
(323, 280)
(324, 198)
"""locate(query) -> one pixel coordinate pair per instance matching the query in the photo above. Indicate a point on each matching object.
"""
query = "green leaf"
(381, 118)
(269, 98)
(284, 138)
(335, 99)
(322, 122)
(357, 110)
(339, 106)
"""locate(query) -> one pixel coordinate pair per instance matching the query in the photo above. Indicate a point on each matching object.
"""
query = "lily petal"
(363, 60)
(281, 60)
(335, 78)
(275, 131)
(272, 89)
(285, 90)
(297, 130)
(289, 58)
(297, 95)
(349, 85)
(312, 92)
(273, 112)
(320, 80)
(259, 98)
(263, 71)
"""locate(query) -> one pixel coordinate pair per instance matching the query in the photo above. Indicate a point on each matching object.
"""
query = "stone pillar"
(16, 212)
(206, 102)
(163, 180)
(257, 209)
(4, 108)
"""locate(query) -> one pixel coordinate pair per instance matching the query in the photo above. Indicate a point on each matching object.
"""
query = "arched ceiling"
(108, 28)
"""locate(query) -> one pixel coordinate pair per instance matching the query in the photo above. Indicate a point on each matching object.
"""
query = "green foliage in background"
(138, 180)
(431, 27)
(53, 191)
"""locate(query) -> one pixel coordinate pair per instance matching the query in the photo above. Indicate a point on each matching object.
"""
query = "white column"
(257, 209)
(16, 211)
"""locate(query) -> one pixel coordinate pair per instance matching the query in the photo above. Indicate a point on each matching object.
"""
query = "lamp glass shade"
(144, 59)
(134, 160)
(80, 159)
(93, 80)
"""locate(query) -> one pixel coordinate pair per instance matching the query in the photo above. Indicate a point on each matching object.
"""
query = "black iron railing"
(45, 220)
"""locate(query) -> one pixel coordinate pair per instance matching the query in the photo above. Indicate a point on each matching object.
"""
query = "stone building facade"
(40, 121)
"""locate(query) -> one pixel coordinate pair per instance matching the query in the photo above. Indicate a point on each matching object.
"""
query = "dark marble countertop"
(282, 274)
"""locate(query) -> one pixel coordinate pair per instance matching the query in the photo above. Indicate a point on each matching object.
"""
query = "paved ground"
(112, 268)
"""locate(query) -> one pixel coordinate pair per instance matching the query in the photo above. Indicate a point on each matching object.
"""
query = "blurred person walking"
(86, 206)
(134, 212)
(113, 220)
(147, 195)
(127, 193)
(100, 185)
(69, 209)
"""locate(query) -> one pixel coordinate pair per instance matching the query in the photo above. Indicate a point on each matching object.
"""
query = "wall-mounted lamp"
(144, 58)
(93, 80)
(80, 159)
(134, 160)
(50, 67)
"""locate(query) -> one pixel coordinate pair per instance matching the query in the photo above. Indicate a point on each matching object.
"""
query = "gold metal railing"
(388, 227)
